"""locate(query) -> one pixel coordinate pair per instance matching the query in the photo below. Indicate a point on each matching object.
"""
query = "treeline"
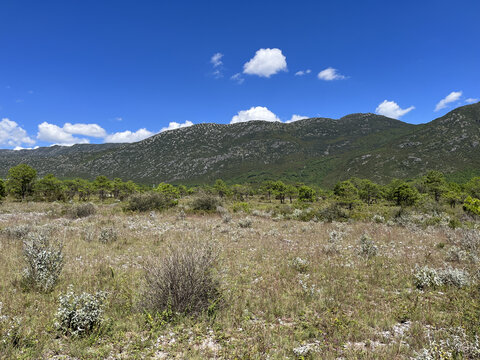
(22, 183)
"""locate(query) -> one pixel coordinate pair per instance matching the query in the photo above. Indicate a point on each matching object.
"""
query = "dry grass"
(341, 305)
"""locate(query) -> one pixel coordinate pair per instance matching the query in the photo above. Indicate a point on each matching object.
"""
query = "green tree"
(435, 184)
(291, 192)
(49, 188)
(103, 186)
(472, 206)
(84, 189)
(346, 192)
(306, 194)
(221, 188)
(280, 191)
(170, 191)
(268, 187)
(405, 195)
(3, 189)
(368, 191)
(472, 187)
(20, 180)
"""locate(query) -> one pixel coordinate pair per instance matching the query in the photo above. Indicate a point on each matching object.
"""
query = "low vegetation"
(361, 271)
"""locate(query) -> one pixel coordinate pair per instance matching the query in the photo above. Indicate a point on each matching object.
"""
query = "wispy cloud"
(216, 59)
(237, 78)
(471, 100)
(450, 98)
(330, 74)
(303, 72)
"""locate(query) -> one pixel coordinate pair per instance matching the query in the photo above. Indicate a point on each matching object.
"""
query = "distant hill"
(316, 151)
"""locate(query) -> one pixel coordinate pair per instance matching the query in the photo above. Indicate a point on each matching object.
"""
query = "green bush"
(205, 202)
(472, 206)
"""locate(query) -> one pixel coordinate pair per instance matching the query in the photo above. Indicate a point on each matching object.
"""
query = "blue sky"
(96, 71)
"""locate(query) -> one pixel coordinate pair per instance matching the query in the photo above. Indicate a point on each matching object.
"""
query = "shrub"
(299, 264)
(183, 281)
(455, 277)
(368, 248)
(333, 212)
(456, 254)
(426, 277)
(150, 201)
(332, 247)
(79, 314)
(205, 202)
(472, 206)
(245, 223)
(82, 210)
(108, 235)
(44, 262)
(241, 206)
(17, 232)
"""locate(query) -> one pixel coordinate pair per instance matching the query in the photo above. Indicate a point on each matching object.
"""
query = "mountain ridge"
(315, 150)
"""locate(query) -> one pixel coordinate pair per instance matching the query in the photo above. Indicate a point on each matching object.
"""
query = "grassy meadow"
(372, 288)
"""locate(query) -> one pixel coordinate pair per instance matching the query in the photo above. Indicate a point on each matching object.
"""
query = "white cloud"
(174, 125)
(330, 74)
(296, 117)
(266, 63)
(238, 78)
(452, 97)
(303, 72)
(57, 135)
(254, 113)
(13, 135)
(392, 110)
(23, 148)
(92, 130)
(128, 136)
(471, 100)
(216, 59)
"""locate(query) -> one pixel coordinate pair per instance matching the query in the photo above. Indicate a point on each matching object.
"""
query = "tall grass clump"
(79, 314)
(183, 281)
(82, 210)
(44, 260)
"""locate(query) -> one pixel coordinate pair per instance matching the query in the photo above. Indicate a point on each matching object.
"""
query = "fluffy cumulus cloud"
(57, 135)
(303, 72)
(452, 97)
(265, 63)
(296, 117)
(174, 125)
(254, 113)
(330, 74)
(13, 135)
(128, 136)
(92, 130)
(216, 59)
(471, 100)
(392, 110)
